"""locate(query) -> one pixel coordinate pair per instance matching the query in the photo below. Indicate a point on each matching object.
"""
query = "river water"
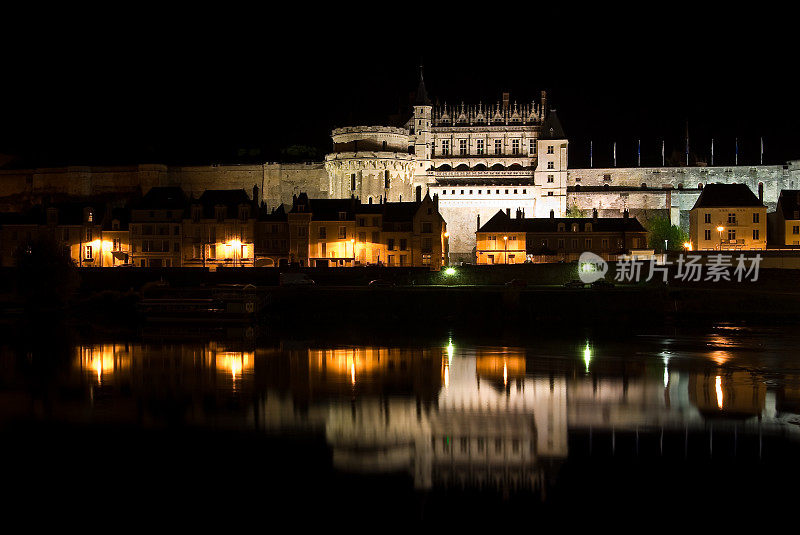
(222, 428)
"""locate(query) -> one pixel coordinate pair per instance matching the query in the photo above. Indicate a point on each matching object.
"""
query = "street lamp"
(505, 255)
(353, 241)
(720, 229)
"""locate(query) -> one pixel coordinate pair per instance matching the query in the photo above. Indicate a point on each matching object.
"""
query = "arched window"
(479, 167)
(498, 167)
(462, 167)
(680, 185)
(699, 185)
(444, 167)
(515, 167)
(606, 186)
(644, 186)
(574, 227)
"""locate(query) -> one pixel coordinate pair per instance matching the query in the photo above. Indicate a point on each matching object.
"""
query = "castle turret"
(421, 132)
(551, 167)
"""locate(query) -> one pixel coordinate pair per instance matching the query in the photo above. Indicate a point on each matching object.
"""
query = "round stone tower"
(371, 163)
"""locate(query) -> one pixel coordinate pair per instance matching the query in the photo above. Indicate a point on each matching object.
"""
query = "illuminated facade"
(220, 230)
(728, 217)
(90, 233)
(347, 232)
(507, 240)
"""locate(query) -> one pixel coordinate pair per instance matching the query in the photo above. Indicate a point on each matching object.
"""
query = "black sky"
(211, 87)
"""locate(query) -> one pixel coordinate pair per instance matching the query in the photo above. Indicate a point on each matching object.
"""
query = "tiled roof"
(724, 195)
(789, 203)
(501, 222)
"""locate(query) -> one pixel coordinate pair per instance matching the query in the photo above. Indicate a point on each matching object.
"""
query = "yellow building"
(92, 234)
(785, 221)
(345, 232)
(507, 240)
(728, 217)
(219, 230)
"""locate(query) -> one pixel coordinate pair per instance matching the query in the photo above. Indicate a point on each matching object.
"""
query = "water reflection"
(447, 414)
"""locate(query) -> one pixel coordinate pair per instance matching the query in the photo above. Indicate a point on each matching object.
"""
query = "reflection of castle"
(489, 417)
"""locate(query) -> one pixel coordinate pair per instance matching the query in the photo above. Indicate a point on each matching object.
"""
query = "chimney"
(436, 200)
(552, 214)
(506, 99)
(255, 194)
(594, 213)
(625, 214)
(419, 193)
(508, 212)
(479, 221)
(761, 194)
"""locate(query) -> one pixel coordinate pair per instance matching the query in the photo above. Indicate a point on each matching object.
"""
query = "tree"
(574, 211)
(660, 229)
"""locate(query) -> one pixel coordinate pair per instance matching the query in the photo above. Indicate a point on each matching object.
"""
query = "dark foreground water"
(358, 432)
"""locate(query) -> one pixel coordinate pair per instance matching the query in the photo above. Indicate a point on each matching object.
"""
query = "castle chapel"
(478, 159)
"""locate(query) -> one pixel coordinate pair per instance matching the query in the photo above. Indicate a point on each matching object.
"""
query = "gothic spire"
(422, 95)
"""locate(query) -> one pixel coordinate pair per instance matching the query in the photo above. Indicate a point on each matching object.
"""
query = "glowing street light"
(687, 245)
(720, 229)
(505, 255)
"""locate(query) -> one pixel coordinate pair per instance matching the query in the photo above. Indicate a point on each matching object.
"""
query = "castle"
(477, 159)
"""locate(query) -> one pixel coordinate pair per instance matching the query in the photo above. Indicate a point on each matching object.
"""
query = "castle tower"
(550, 176)
(422, 135)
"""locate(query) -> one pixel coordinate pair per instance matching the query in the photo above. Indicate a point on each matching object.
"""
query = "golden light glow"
(587, 355)
(687, 245)
(719, 391)
(235, 363)
(102, 361)
(720, 229)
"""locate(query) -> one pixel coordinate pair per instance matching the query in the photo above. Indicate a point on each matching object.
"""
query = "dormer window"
(342, 216)
(588, 227)
(89, 216)
(115, 224)
(574, 227)
(219, 211)
(561, 227)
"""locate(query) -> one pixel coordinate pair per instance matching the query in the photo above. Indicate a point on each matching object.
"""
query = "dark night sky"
(196, 89)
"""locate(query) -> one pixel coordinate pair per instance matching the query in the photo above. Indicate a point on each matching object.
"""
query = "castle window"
(561, 227)
(387, 180)
(353, 181)
(498, 146)
(549, 193)
(515, 146)
(731, 234)
(532, 146)
(731, 218)
(550, 179)
(707, 234)
(550, 149)
(755, 233)
(462, 147)
(342, 216)
(550, 165)
(755, 217)
(524, 191)
(479, 146)
(445, 147)
(574, 227)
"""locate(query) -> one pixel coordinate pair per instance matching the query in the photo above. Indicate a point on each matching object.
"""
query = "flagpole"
(712, 151)
(762, 150)
(662, 152)
(639, 153)
(615, 154)
(736, 160)
(591, 154)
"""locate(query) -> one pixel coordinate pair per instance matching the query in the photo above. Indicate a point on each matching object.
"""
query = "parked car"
(602, 283)
(517, 283)
(381, 283)
(295, 279)
(575, 283)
